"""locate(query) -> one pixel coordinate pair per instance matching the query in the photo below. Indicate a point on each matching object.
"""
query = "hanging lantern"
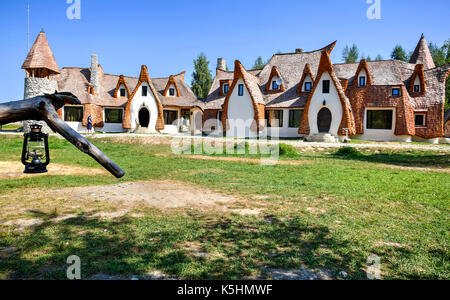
(35, 154)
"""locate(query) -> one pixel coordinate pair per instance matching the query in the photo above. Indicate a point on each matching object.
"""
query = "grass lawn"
(330, 212)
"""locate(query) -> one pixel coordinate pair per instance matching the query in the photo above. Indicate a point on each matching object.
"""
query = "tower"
(39, 66)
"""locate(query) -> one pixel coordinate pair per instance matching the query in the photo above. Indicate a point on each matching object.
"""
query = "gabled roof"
(169, 83)
(348, 121)
(273, 74)
(418, 71)
(422, 55)
(251, 83)
(41, 56)
(144, 77)
(119, 83)
(363, 66)
(306, 72)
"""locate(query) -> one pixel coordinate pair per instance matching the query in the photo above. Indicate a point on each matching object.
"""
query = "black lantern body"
(35, 153)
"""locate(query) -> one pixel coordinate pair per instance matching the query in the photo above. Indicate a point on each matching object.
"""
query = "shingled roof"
(290, 66)
(422, 55)
(41, 56)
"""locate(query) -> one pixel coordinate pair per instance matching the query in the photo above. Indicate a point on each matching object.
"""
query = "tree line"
(202, 78)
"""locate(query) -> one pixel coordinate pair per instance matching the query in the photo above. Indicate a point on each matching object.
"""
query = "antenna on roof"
(28, 27)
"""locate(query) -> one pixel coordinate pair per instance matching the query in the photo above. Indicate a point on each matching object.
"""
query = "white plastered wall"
(139, 102)
(240, 113)
(333, 103)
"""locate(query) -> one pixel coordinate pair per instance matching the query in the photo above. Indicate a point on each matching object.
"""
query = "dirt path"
(14, 170)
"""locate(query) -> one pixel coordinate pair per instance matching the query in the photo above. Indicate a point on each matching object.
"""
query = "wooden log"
(44, 108)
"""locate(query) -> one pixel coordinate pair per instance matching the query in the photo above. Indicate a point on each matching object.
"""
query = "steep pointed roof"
(41, 56)
(348, 121)
(422, 55)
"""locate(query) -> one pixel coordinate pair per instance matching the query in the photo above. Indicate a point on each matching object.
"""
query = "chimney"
(221, 64)
(94, 73)
(299, 51)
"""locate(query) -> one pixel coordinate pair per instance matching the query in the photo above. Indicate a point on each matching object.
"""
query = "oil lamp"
(35, 154)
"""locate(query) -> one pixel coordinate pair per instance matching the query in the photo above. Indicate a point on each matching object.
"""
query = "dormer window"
(396, 92)
(144, 91)
(362, 81)
(226, 88)
(274, 85)
(326, 87)
(123, 92)
(417, 88)
(172, 92)
(308, 86)
(241, 90)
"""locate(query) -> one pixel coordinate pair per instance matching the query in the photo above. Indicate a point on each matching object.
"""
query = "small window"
(226, 88)
(170, 116)
(172, 92)
(123, 93)
(362, 81)
(274, 85)
(113, 115)
(416, 88)
(379, 119)
(73, 113)
(308, 86)
(241, 90)
(420, 120)
(274, 118)
(144, 91)
(219, 116)
(295, 117)
(396, 92)
(326, 86)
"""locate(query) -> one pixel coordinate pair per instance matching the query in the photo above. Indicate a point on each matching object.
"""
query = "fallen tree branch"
(44, 108)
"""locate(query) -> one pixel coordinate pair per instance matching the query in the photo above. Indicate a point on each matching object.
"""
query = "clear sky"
(168, 35)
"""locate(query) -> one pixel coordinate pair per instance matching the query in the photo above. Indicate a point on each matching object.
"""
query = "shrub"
(348, 151)
(288, 150)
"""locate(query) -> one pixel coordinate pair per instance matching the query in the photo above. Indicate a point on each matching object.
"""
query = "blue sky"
(168, 35)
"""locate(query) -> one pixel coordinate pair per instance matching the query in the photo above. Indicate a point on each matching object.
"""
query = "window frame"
(326, 86)
(291, 117)
(308, 83)
(417, 86)
(123, 92)
(424, 123)
(73, 106)
(171, 92)
(395, 89)
(275, 85)
(362, 81)
(241, 90)
(280, 119)
(369, 119)
(166, 113)
(144, 91)
(105, 109)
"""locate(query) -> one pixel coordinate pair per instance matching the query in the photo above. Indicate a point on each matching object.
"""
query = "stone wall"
(37, 87)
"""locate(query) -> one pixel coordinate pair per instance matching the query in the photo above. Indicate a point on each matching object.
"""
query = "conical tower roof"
(422, 55)
(41, 56)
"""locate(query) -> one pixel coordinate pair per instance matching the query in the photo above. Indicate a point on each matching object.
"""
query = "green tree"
(399, 54)
(379, 57)
(350, 54)
(201, 78)
(259, 64)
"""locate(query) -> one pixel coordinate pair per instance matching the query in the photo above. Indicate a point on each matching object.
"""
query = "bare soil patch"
(14, 170)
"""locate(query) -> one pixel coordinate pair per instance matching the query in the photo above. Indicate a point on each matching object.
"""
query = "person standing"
(89, 125)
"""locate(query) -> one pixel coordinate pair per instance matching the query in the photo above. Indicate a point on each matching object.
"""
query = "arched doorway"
(144, 117)
(324, 119)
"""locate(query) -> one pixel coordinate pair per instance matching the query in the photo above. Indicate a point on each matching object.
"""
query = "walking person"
(89, 125)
